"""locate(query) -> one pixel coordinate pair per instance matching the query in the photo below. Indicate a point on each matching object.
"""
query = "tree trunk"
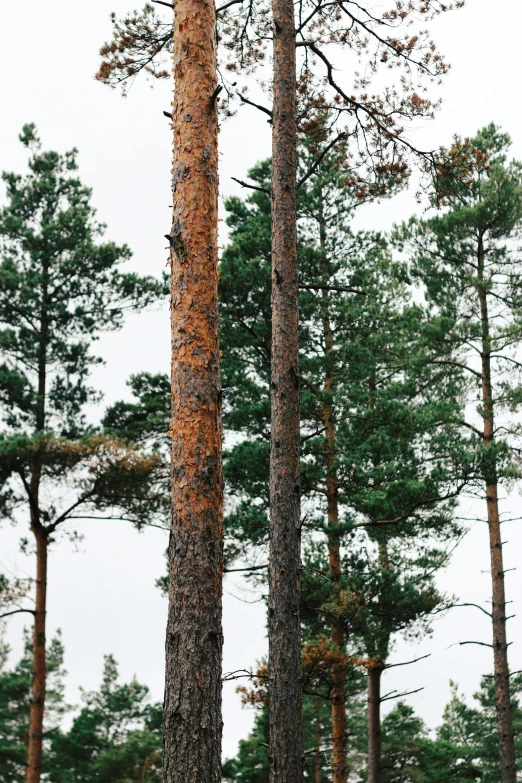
(192, 707)
(36, 710)
(339, 744)
(374, 724)
(286, 742)
(317, 737)
(498, 612)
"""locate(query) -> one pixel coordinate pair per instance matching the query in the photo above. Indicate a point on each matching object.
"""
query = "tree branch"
(406, 663)
(399, 695)
(17, 611)
(252, 187)
(476, 607)
(346, 288)
(227, 5)
(251, 103)
(320, 158)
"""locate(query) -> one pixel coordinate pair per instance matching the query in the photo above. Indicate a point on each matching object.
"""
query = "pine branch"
(255, 105)
(389, 695)
(227, 5)
(320, 158)
(17, 611)
(407, 663)
(252, 187)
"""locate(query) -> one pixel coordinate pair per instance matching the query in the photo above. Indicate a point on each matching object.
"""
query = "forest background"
(103, 596)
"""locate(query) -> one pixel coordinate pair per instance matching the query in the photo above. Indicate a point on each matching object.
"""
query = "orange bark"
(498, 611)
(192, 709)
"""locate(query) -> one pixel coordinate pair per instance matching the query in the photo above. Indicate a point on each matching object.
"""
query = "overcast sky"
(103, 595)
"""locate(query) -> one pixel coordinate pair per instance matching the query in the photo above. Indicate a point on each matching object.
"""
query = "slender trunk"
(37, 707)
(317, 738)
(339, 744)
(498, 612)
(286, 742)
(192, 707)
(374, 723)
(374, 687)
(36, 711)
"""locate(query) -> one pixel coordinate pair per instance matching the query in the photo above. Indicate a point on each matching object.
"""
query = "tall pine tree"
(60, 288)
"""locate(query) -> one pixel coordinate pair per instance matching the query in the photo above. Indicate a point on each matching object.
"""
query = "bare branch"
(320, 158)
(227, 5)
(399, 695)
(252, 187)
(346, 288)
(255, 105)
(407, 663)
(17, 611)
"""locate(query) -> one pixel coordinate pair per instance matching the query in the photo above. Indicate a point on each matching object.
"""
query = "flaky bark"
(192, 707)
(339, 743)
(498, 611)
(286, 743)
(374, 723)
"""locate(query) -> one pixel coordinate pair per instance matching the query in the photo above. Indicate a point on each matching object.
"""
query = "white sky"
(103, 596)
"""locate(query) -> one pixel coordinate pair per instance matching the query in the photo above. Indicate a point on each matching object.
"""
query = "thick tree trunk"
(339, 743)
(498, 612)
(36, 710)
(192, 707)
(374, 724)
(286, 743)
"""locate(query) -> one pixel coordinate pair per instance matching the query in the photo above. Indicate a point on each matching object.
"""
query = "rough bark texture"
(339, 740)
(286, 743)
(36, 711)
(192, 707)
(374, 724)
(498, 611)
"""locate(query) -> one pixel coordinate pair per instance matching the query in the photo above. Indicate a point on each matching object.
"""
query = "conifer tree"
(60, 287)
(367, 421)
(469, 266)
(116, 735)
(193, 724)
(139, 43)
(15, 699)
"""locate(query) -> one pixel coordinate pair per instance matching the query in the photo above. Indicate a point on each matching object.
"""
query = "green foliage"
(465, 254)
(251, 764)
(61, 286)
(15, 694)
(115, 738)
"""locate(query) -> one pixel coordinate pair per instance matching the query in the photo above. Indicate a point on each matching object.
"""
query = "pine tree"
(115, 737)
(15, 699)
(469, 267)
(193, 724)
(60, 287)
(378, 452)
